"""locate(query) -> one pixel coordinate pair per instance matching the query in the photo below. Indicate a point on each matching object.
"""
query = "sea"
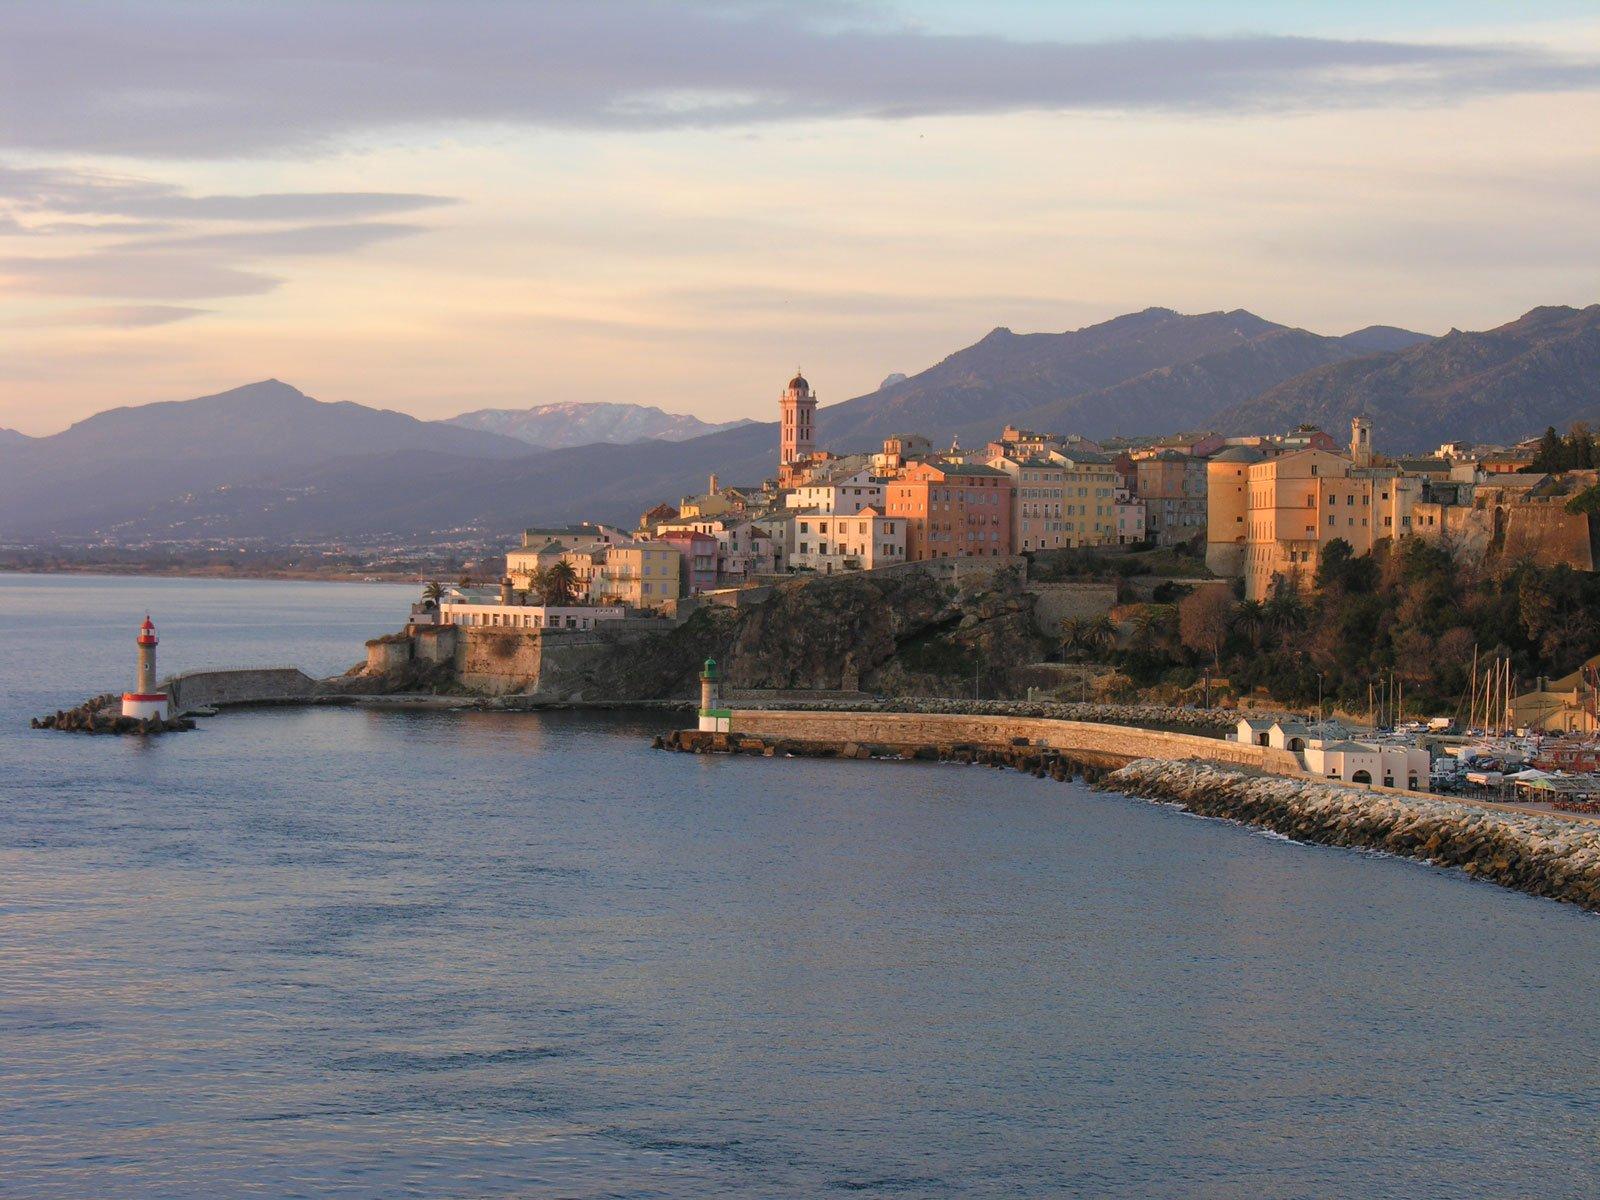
(346, 952)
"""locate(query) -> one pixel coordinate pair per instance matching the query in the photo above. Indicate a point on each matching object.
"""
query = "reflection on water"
(381, 953)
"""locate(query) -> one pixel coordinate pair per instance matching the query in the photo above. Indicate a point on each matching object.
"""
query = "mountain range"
(268, 461)
(557, 426)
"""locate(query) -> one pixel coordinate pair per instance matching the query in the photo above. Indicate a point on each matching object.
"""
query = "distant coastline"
(266, 574)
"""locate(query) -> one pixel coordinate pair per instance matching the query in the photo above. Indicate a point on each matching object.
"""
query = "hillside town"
(1261, 509)
(1251, 527)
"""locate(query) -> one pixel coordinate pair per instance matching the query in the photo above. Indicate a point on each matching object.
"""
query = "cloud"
(83, 192)
(134, 275)
(117, 316)
(155, 241)
(164, 78)
(295, 240)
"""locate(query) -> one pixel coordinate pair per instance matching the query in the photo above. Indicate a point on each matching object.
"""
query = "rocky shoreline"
(1555, 857)
(103, 714)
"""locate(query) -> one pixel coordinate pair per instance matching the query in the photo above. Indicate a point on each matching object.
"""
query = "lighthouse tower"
(144, 701)
(713, 717)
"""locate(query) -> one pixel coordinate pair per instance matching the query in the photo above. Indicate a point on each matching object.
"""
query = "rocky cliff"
(904, 635)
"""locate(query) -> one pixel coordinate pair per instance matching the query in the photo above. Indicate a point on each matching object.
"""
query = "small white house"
(1388, 764)
(1252, 731)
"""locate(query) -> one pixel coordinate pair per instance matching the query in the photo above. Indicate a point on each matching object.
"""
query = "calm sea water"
(380, 954)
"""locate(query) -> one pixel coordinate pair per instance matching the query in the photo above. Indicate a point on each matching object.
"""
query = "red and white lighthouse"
(144, 702)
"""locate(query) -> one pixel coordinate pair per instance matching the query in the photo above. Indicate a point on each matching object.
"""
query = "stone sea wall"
(250, 685)
(1557, 857)
(1217, 722)
(908, 735)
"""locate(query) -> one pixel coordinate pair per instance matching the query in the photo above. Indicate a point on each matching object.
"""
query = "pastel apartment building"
(952, 510)
(1173, 487)
(857, 541)
(1297, 503)
(697, 558)
(1060, 501)
(639, 575)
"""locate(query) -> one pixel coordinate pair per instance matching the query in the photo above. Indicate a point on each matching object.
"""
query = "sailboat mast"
(1472, 707)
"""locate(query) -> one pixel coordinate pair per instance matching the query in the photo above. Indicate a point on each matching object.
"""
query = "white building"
(524, 616)
(746, 547)
(1387, 764)
(843, 496)
(830, 542)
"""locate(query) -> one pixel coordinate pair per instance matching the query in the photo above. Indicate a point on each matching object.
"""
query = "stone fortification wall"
(1548, 534)
(251, 685)
(1554, 856)
(498, 661)
(538, 662)
(1053, 603)
(1087, 741)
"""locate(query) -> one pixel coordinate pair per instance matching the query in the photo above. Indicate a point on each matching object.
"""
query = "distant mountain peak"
(567, 423)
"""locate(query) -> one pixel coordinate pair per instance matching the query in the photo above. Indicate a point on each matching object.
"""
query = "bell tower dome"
(798, 407)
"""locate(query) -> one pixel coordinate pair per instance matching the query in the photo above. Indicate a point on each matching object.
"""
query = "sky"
(438, 207)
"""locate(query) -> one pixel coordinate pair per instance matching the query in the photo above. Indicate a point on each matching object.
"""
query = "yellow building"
(1227, 507)
(639, 574)
(1060, 501)
(1566, 705)
(586, 562)
(1297, 503)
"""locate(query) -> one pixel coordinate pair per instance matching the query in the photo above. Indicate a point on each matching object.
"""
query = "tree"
(1552, 451)
(1102, 633)
(560, 584)
(1074, 634)
(434, 591)
(1088, 634)
(1586, 502)
(1203, 620)
(1250, 619)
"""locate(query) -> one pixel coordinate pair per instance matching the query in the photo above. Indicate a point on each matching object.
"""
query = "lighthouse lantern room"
(145, 702)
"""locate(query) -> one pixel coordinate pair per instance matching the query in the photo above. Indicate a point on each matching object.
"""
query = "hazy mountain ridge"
(1005, 374)
(1196, 391)
(558, 426)
(1500, 385)
(106, 470)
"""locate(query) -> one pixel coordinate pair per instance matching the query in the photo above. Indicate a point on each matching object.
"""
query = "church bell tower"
(798, 405)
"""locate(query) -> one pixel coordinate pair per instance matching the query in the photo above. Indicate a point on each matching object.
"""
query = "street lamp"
(1319, 695)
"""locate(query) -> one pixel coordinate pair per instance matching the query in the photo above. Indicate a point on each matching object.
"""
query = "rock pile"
(1041, 763)
(103, 714)
(1541, 854)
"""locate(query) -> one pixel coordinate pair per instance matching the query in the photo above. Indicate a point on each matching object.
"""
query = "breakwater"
(1216, 722)
(906, 734)
(103, 714)
(1557, 857)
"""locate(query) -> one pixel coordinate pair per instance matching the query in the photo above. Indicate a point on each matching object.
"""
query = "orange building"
(952, 510)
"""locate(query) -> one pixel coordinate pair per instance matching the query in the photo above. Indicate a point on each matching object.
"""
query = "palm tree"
(560, 584)
(1075, 634)
(1101, 634)
(434, 591)
(1250, 619)
(1285, 613)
